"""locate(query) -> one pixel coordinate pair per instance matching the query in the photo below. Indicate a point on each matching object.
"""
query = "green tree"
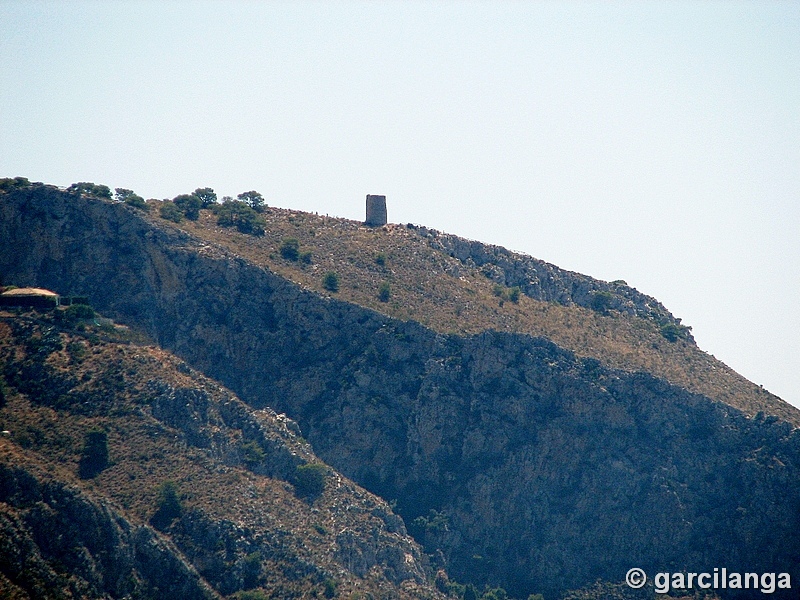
(513, 294)
(169, 506)
(130, 197)
(384, 292)
(90, 189)
(675, 331)
(207, 197)
(189, 204)
(233, 213)
(251, 452)
(601, 301)
(94, 458)
(290, 249)
(253, 199)
(331, 281)
(309, 480)
(10, 183)
(170, 212)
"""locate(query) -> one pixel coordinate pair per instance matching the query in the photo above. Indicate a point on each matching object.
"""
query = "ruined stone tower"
(376, 211)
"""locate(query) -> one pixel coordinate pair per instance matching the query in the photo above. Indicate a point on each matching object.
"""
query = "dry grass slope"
(445, 294)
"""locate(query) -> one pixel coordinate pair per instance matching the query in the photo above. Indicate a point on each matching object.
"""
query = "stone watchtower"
(376, 211)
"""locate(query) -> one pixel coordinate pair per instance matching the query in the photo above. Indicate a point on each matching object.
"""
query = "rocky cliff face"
(242, 518)
(513, 460)
(59, 543)
(544, 281)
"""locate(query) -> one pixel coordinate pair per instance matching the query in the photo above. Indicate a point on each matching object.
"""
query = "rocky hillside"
(188, 493)
(537, 439)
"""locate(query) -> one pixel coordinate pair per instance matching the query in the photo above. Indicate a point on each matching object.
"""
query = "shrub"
(305, 257)
(137, 202)
(380, 259)
(189, 204)
(309, 480)
(94, 458)
(90, 189)
(251, 570)
(253, 199)
(169, 506)
(8, 183)
(331, 281)
(601, 301)
(384, 292)
(170, 212)
(470, 593)
(675, 331)
(233, 213)
(130, 198)
(207, 196)
(513, 294)
(77, 312)
(290, 249)
(330, 588)
(251, 452)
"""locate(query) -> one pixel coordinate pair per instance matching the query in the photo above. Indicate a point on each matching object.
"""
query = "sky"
(655, 142)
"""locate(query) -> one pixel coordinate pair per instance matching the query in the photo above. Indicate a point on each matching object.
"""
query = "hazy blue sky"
(656, 142)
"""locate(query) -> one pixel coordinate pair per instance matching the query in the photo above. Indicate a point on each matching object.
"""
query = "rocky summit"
(294, 405)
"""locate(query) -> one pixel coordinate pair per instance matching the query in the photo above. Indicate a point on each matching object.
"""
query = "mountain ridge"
(497, 444)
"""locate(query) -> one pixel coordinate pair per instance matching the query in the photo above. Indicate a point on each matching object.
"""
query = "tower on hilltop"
(376, 211)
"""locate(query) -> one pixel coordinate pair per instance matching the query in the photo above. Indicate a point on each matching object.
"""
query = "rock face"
(240, 519)
(511, 459)
(544, 281)
(55, 542)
